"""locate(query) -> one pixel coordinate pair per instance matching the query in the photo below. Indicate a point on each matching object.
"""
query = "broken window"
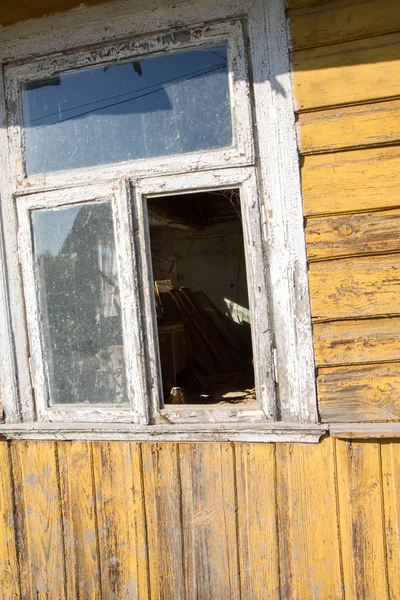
(201, 298)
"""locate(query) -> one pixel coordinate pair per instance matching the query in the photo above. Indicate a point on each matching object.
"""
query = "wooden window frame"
(277, 270)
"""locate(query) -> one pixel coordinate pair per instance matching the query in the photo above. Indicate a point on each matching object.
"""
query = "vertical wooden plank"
(9, 580)
(39, 523)
(79, 517)
(258, 536)
(362, 520)
(121, 520)
(309, 544)
(390, 452)
(163, 510)
(209, 509)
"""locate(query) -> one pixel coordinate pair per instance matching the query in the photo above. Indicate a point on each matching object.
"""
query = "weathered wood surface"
(308, 523)
(349, 235)
(349, 127)
(362, 393)
(362, 526)
(355, 287)
(204, 521)
(348, 72)
(357, 341)
(339, 20)
(9, 576)
(358, 180)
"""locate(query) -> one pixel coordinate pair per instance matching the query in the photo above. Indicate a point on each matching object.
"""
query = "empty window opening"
(201, 298)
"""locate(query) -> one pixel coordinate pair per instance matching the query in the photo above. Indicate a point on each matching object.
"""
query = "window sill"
(364, 430)
(238, 432)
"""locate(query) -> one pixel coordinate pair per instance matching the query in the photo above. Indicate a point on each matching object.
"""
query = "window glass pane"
(168, 104)
(80, 303)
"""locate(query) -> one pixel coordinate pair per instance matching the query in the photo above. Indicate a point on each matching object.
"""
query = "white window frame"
(241, 153)
(256, 31)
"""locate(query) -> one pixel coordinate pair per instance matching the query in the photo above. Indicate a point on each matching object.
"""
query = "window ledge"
(364, 430)
(238, 432)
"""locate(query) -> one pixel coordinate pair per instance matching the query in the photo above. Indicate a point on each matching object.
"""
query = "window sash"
(241, 153)
(244, 179)
(136, 411)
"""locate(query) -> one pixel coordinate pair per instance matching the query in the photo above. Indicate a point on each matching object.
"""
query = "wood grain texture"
(359, 341)
(39, 522)
(390, 457)
(347, 73)
(355, 287)
(341, 20)
(348, 235)
(349, 127)
(357, 180)
(258, 536)
(324, 517)
(121, 521)
(359, 393)
(309, 545)
(291, 4)
(80, 526)
(361, 520)
(164, 522)
(9, 577)
(209, 509)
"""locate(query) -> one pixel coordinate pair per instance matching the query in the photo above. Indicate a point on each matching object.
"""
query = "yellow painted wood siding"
(126, 521)
(346, 75)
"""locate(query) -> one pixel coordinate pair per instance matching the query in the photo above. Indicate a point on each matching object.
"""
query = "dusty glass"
(79, 300)
(167, 104)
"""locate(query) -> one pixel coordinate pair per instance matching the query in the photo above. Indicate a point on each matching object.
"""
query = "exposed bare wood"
(352, 234)
(359, 341)
(347, 73)
(355, 287)
(349, 127)
(358, 180)
(359, 393)
(341, 20)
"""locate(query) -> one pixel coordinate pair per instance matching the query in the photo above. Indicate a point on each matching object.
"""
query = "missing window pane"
(201, 298)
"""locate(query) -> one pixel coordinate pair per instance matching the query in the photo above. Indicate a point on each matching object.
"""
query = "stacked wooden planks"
(346, 76)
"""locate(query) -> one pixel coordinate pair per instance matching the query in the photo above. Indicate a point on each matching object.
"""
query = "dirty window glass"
(79, 302)
(169, 104)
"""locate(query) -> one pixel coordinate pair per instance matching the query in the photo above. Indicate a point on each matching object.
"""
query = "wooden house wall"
(346, 63)
(124, 521)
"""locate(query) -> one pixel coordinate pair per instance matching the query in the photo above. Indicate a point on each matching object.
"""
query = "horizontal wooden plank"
(363, 393)
(347, 73)
(350, 127)
(341, 235)
(359, 341)
(357, 180)
(341, 20)
(355, 287)
(300, 3)
(365, 430)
